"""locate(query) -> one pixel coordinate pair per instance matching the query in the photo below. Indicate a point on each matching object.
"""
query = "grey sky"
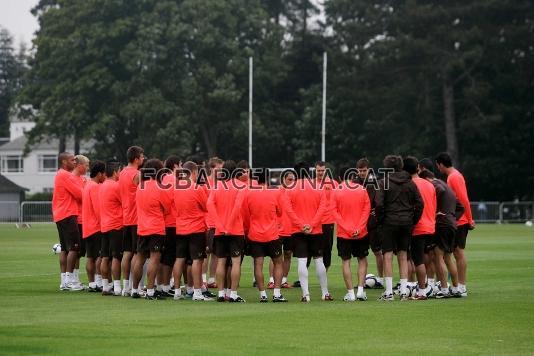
(16, 17)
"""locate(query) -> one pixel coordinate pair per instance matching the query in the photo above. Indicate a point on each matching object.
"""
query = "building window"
(11, 164)
(47, 163)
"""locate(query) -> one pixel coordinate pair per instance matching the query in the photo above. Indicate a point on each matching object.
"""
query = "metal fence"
(483, 211)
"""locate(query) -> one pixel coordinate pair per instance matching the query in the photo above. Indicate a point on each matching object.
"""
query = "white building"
(36, 170)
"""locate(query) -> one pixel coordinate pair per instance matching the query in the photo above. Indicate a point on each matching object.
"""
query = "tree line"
(408, 77)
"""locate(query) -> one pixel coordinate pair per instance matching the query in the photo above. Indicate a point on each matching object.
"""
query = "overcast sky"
(16, 17)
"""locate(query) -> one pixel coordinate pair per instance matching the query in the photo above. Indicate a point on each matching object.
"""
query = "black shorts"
(461, 236)
(328, 243)
(418, 248)
(210, 234)
(192, 246)
(150, 243)
(396, 238)
(92, 244)
(82, 251)
(228, 246)
(307, 245)
(444, 238)
(168, 255)
(129, 242)
(287, 243)
(347, 248)
(273, 248)
(114, 244)
(375, 240)
(69, 235)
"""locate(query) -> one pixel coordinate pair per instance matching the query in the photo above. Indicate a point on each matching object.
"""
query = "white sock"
(134, 291)
(166, 288)
(76, 274)
(105, 285)
(431, 283)
(233, 294)
(203, 288)
(177, 292)
(117, 286)
(150, 292)
(403, 284)
(350, 292)
(263, 293)
(189, 290)
(284, 280)
(360, 290)
(126, 284)
(98, 280)
(63, 278)
(380, 280)
(271, 279)
(227, 292)
(92, 284)
(303, 275)
(454, 289)
(159, 287)
(444, 290)
(211, 280)
(277, 292)
(461, 287)
(389, 285)
(197, 292)
(221, 294)
(320, 271)
(204, 277)
(68, 278)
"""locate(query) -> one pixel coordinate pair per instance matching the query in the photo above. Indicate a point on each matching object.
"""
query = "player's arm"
(93, 200)
(212, 211)
(323, 205)
(287, 208)
(366, 211)
(238, 206)
(72, 187)
(202, 198)
(457, 184)
(245, 213)
(418, 204)
(337, 215)
(459, 210)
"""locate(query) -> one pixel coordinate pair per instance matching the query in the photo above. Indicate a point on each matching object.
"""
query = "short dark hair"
(445, 159)
(229, 167)
(152, 169)
(302, 170)
(199, 160)
(97, 167)
(172, 161)
(393, 161)
(112, 167)
(262, 175)
(61, 157)
(243, 164)
(133, 153)
(410, 164)
(427, 164)
(213, 161)
(320, 164)
(189, 167)
(345, 173)
(426, 174)
(362, 163)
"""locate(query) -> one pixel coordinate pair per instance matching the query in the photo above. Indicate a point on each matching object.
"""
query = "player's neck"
(449, 170)
(133, 165)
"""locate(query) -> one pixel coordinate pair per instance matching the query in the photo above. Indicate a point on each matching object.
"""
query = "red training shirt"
(309, 204)
(352, 208)
(128, 189)
(456, 181)
(110, 206)
(427, 223)
(152, 203)
(224, 206)
(90, 209)
(66, 195)
(190, 202)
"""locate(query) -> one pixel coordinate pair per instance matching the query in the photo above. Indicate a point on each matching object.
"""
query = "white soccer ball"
(370, 280)
(56, 248)
(528, 223)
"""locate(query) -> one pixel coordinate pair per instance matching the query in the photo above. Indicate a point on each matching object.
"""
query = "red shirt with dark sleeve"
(128, 189)
(109, 196)
(456, 181)
(190, 203)
(169, 183)
(81, 180)
(224, 206)
(309, 204)
(427, 223)
(261, 210)
(91, 209)
(67, 194)
(352, 208)
(152, 203)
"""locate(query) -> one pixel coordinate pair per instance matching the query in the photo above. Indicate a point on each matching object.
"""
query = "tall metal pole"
(323, 131)
(250, 64)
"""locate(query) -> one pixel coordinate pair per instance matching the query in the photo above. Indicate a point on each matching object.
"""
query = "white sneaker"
(179, 297)
(361, 296)
(202, 298)
(74, 287)
(127, 292)
(63, 287)
(348, 298)
(117, 293)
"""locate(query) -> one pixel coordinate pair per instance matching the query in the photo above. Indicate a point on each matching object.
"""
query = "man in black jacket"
(398, 207)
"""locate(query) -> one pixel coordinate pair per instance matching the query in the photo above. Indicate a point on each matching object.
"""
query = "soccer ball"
(56, 248)
(528, 223)
(412, 290)
(370, 281)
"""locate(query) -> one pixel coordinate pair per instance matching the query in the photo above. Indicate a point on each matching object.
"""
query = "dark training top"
(447, 204)
(401, 204)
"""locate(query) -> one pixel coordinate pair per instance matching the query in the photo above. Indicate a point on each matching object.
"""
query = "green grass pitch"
(496, 318)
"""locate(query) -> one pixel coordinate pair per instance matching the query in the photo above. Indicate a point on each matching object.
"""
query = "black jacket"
(449, 207)
(398, 201)
(371, 186)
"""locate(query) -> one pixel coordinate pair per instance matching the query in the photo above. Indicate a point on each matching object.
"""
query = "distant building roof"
(7, 186)
(46, 144)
